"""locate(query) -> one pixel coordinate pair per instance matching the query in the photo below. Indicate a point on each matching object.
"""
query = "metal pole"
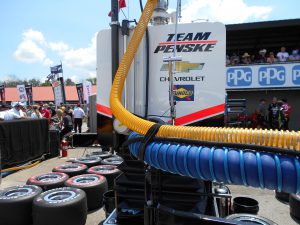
(114, 36)
(114, 54)
(171, 90)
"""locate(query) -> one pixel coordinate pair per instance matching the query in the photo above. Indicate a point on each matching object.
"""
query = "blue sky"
(36, 34)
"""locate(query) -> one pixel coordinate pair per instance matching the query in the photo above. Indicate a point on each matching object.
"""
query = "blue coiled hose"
(231, 166)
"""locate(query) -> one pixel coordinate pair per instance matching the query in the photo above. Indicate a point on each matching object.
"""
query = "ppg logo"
(239, 77)
(296, 75)
(271, 75)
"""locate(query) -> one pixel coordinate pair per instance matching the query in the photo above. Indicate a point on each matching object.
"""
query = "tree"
(69, 82)
(34, 82)
(46, 83)
(93, 80)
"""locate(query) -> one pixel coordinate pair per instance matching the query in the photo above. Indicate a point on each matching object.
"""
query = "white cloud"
(226, 11)
(29, 52)
(47, 62)
(82, 60)
(58, 46)
(35, 36)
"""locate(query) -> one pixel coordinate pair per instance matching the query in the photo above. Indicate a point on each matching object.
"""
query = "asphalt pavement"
(269, 206)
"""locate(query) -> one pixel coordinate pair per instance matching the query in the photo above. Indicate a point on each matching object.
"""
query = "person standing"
(29, 111)
(45, 112)
(67, 125)
(287, 109)
(35, 112)
(51, 109)
(14, 113)
(263, 110)
(78, 115)
(273, 109)
(280, 121)
(283, 55)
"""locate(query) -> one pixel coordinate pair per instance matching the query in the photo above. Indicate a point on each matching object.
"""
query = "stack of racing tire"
(64, 196)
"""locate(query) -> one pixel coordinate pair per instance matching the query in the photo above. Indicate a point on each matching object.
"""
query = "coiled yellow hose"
(273, 138)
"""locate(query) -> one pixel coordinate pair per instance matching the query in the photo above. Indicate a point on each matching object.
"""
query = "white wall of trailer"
(199, 81)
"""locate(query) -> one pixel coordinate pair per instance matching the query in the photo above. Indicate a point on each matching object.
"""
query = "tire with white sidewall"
(16, 204)
(66, 206)
(94, 186)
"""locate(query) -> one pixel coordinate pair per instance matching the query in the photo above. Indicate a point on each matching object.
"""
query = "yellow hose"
(289, 140)
(20, 167)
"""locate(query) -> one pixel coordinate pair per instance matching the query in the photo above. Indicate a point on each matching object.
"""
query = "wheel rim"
(85, 180)
(87, 159)
(49, 177)
(114, 160)
(66, 167)
(104, 168)
(18, 192)
(59, 196)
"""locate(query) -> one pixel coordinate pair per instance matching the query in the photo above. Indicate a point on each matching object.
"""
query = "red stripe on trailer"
(104, 110)
(202, 114)
(189, 42)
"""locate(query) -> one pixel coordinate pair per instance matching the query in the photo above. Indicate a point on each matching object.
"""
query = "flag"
(28, 89)
(87, 90)
(56, 69)
(79, 88)
(22, 92)
(122, 4)
(2, 93)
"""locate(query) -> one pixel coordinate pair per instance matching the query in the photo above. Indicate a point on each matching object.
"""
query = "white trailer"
(199, 81)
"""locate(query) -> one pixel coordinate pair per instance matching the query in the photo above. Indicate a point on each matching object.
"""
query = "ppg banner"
(79, 88)
(263, 76)
(22, 92)
(2, 93)
(28, 88)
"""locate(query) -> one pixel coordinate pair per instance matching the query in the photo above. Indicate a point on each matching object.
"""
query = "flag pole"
(63, 84)
(115, 56)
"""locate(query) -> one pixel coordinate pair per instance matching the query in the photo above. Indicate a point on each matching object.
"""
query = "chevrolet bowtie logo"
(183, 66)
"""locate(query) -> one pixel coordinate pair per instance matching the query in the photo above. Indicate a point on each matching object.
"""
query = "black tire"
(101, 154)
(94, 186)
(116, 160)
(71, 169)
(295, 206)
(253, 219)
(65, 206)
(49, 180)
(282, 196)
(109, 171)
(88, 161)
(16, 204)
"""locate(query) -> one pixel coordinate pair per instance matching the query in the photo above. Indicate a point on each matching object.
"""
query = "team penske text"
(187, 42)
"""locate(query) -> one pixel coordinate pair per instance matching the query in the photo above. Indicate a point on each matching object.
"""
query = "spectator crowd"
(63, 118)
(263, 57)
(274, 116)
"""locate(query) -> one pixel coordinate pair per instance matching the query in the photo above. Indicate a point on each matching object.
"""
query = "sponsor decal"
(296, 75)
(239, 77)
(183, 66)
(274, 75)
(187, 42)
(184, 92)
(177, 79)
